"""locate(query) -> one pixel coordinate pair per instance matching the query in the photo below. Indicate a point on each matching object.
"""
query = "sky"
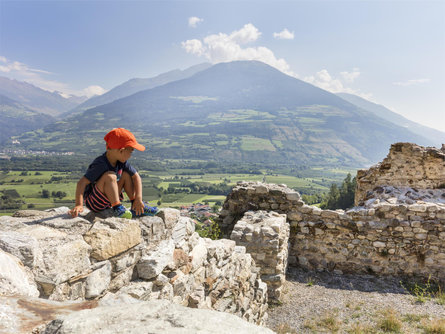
(389, 52)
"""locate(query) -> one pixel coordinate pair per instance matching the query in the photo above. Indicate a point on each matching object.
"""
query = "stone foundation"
(386, 239)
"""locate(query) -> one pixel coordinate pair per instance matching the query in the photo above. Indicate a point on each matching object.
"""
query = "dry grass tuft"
(436, 326)
(285, 329)
(330, 322)
(390, 322)
(358, 328)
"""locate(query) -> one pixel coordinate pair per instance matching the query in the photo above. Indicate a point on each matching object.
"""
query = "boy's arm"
(80, 188)
(138, 205)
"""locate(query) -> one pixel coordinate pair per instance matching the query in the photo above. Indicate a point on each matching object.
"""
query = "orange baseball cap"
(121, 138)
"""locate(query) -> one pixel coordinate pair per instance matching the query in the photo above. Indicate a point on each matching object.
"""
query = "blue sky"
(390, 52)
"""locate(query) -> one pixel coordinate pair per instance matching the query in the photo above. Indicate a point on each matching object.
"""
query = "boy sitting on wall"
(108, 175)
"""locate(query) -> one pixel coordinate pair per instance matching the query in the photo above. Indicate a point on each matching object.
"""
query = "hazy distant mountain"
(437, 137)
(35, 98)
(136, 85)
(239, 111)
(77, 99)
(16, 118)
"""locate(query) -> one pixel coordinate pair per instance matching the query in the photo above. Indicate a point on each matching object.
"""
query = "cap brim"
(138, 147)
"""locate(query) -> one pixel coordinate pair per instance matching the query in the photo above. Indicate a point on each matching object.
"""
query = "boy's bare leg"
(126, 183)
(108, 186)
(111, 188)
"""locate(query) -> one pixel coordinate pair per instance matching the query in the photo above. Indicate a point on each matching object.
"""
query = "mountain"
(77, 99)
(35, 98)
(15, 118)
(436, 136)
(244, 111)
(136, 85)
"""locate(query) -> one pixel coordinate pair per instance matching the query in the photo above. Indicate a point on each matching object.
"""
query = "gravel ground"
(327, 303)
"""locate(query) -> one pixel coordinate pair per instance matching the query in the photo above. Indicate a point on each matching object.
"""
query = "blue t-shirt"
(100, 165)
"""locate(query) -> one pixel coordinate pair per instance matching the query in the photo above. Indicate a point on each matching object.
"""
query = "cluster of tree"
(8, 202)
(42, 163)
(340, 197)
(55, 194)
(13, 181)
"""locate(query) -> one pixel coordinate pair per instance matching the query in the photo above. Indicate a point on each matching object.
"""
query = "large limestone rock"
(14, 278)
(53, 255)
(73, 259)
(156, 316)
(62, 257)
(112, 237)
(25, 315)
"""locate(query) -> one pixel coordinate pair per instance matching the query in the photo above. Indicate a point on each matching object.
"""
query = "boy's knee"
(108, 177)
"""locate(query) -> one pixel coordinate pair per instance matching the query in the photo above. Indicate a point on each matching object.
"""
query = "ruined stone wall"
(60, 258)
(407, 165)
(386, 238)
(265, 236)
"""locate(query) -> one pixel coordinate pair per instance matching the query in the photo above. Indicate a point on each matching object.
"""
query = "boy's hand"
(138, 206)
(76, 210)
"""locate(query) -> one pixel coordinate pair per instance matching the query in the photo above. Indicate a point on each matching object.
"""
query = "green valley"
(37, 189)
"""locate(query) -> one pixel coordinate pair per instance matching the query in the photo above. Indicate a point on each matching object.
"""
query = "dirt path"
(328, 303)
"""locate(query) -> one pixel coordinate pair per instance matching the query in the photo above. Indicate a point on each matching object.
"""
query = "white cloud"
(411, 82)
(324, 80)
(93, 90)
(15, 66)
(36, 77)
(248, 33)
(221, 47)
(193, 21)
(193, 46)
(350, 76)
(285, 34)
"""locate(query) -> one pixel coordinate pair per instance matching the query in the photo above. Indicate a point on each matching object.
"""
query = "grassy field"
(29, 187)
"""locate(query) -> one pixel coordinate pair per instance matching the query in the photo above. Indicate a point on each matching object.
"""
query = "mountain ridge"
(135, 85)
(16, 118)
(436, 136)
(238, 111)
(35, 98)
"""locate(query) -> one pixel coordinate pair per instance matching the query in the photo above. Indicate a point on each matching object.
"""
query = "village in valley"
(199, 211)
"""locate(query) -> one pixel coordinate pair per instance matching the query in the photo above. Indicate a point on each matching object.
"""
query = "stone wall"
(387, 238)
(60, 258)
(265, 236)
(407, 165)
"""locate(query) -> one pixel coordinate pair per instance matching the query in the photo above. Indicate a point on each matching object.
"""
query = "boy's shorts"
(96, 201)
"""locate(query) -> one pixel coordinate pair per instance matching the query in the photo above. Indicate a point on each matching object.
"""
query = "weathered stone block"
(97, 282)
(169, 216)
(153, 263)
(112, 237)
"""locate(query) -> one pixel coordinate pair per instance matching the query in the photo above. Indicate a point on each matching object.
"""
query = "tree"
(340, 198)
(45, 193)
(59, 194)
